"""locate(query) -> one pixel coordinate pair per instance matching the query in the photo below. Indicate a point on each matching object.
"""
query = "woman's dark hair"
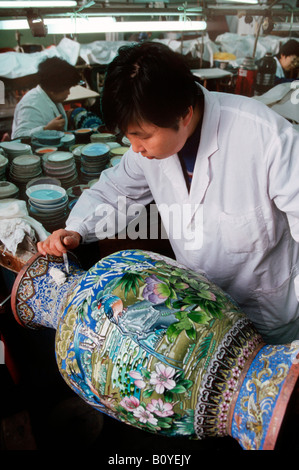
(147, 82)
(291, 47)
(57, 75)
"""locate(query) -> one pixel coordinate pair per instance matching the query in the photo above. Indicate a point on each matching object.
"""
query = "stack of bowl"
(94, 159)
(47, 138)
(76, 151)
(68, 140)
(15, 149)
(3, 166)
(83, 135)
(8, 190)
(116, 154)
(125, 141)
(102, 137)
(42, 151)
(23, 169)
(48, 203)
(61, 165)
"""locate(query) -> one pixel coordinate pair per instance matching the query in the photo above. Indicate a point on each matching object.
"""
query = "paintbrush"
(66, 262)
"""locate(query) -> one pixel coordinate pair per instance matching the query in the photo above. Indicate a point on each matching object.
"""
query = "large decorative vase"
(159, 347)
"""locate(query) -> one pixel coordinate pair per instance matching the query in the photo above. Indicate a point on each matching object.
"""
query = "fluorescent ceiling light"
(37, 3)
(105, 25)
(13, 24)
(138, 26)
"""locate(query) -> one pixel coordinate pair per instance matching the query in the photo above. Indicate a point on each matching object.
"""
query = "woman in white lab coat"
(287, 60)
(236, 209)
(41, 108)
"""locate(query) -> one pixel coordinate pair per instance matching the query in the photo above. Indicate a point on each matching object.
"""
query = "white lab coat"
(279, 70)
(246, 181)
(33, 112)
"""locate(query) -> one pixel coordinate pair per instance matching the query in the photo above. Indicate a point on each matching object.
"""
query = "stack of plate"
(3, 166)
(48, 204)
(83, 135)
(15, 149)
(94, 159)
(76, 151)
(23, 169)
(75, 191)
(113, 145)
(43, 180)
(52, 138)
(41, 151)
(8, 190)
(61, 165)
(126, 142)
(68, 140)
(116, 154)
(102, 137)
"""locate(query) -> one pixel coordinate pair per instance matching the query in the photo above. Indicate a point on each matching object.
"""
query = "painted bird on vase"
(139, 321)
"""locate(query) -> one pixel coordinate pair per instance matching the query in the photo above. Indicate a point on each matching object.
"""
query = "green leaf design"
(129, 281)
(191, 333)
(199, 317)
(178, 389)
(147, 393)
(204, 346)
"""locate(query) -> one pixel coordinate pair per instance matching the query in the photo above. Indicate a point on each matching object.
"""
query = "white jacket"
(246, 181)
(33, 112)
(279, 70)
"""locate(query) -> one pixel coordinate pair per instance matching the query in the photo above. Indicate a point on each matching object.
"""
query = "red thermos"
(246, 77)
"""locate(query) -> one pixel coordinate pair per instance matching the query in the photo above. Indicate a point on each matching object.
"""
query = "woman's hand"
(59, 242)
(57, 124)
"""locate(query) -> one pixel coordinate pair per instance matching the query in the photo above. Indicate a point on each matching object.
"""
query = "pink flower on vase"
(130, 403)
(160, 408)
(236, 372)
(241, 361)
(145, 416)
(155, 290)
(227, 395)
(231, 384)
(138, 382)
(162, 378)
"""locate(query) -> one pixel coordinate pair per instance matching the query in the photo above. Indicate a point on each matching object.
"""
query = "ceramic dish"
(15, 147)
(58, 157)
(43, 180)
(126, 141)
(115, 160)
(45, 150)
(86, 130)
(102, 137)
(47, 193)
(49, 137)
(50, 207)
(76, 191)
(3, 162)
(8, 189)
(27, 160)
(95, 150)
(118, 151)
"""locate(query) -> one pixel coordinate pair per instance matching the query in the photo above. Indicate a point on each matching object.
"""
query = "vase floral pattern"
(159, 347)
